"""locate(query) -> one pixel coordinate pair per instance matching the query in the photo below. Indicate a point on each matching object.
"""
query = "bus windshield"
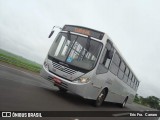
(76, 50)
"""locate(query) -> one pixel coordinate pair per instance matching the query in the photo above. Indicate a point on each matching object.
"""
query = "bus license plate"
(57, 80)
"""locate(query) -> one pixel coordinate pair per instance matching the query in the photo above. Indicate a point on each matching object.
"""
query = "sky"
(133, 26)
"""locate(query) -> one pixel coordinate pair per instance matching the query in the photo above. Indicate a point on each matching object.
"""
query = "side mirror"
(51, 34)
(53, 30)
(110, 54)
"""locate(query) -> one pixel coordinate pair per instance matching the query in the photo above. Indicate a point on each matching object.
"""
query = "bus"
(86, 62)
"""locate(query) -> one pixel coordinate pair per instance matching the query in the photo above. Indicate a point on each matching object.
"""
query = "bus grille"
(63, 68)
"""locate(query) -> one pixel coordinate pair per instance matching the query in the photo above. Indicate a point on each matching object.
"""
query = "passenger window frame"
(104, 54)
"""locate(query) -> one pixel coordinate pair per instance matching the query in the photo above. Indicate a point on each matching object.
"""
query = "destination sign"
(85, 31)
(82, 31)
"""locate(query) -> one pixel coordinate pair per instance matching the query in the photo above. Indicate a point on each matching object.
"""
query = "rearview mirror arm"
(52, 31)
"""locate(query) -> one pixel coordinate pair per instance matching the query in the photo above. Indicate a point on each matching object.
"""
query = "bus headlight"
(84, 79)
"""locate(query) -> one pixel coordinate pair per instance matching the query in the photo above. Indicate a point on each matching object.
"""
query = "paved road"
(23, 91)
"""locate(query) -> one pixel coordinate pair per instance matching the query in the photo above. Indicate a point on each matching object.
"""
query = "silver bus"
(86, 62)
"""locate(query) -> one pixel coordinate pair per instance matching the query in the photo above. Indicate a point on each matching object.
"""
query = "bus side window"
(115, 64)
(132, 82)
(101, 68)
(105, 59)
(107, 55)
(129, 79)
(125, 78)
(134, 87)
(121, 70)
(137, 84)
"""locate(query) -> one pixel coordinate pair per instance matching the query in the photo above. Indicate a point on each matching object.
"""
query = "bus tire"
(122, 105)
(62, 90)
(101, 97)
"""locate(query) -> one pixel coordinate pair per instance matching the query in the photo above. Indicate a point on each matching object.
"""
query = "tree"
(158, 107)
(136, 99)
(143, 101)
(150, 101)
(153, 101)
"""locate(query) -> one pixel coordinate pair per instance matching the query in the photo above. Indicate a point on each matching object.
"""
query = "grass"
(19, 61)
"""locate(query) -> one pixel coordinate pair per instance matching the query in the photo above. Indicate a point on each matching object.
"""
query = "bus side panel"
(116, 91)
(107, 80)
(113, 97)
(92, 92)
(121, 90)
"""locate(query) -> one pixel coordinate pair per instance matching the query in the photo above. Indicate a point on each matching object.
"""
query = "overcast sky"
(133, 25)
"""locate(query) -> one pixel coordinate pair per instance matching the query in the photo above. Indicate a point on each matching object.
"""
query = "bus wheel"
(100, 98)
(122, 105)
(62, 90)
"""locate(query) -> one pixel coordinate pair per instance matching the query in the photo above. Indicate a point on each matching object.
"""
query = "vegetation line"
(150, 101)
(19, 61)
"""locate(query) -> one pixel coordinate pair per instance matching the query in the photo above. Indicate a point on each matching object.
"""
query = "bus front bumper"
(77, 88)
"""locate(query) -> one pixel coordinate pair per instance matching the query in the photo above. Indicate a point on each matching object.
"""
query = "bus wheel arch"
(101, 97)
(122, 105)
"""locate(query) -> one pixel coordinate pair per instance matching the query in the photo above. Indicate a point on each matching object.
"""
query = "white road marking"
(76, 119)
(120, 114)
